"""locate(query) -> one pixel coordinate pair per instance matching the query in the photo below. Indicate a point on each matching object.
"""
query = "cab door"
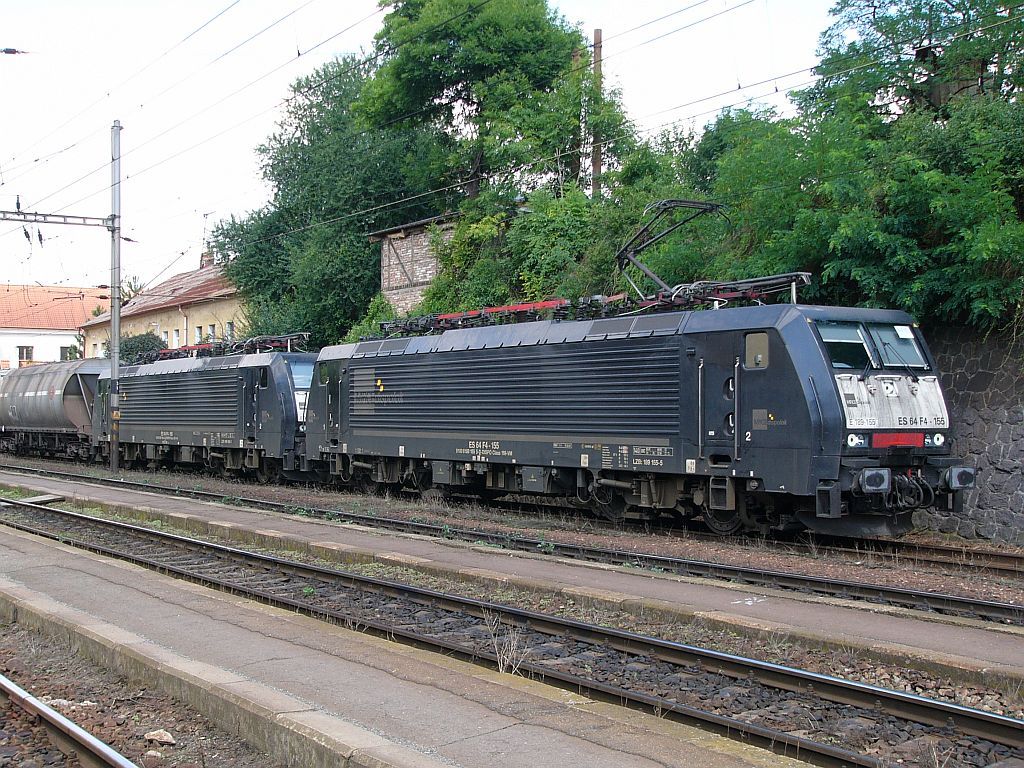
(318, 408)
(718, 371)
(752, 384)
(251, 403)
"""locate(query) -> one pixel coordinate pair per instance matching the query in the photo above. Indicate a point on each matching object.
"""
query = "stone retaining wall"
(984, 381)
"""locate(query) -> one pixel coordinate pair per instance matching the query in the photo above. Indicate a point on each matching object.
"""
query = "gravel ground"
(114, 710)
(571, 529)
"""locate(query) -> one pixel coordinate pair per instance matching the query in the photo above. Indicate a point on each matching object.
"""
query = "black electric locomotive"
(230, 414)
(757, 418)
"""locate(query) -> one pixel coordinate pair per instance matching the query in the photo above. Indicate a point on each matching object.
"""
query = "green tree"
(498, 78)
(130, 288)
(377, 312)
(549, 240)
(915, 213)
(303, 262)
(133, 349)
(909, 54)
(77, 350)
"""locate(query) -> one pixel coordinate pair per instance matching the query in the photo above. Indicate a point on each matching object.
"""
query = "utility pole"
(595, 167)
(115, 296)
(112, 223)
(576, 146)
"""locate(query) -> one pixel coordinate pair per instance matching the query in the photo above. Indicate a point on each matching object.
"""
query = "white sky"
(191, 118)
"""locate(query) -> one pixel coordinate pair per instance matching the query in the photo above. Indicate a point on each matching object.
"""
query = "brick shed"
(407, 262)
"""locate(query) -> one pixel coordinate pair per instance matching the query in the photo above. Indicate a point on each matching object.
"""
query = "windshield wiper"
(904, 363)
(867, 366)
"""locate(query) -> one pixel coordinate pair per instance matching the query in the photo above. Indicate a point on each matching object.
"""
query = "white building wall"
(45, 345)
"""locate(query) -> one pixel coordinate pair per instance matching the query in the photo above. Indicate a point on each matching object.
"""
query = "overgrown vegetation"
(898, 182)
(133, 349)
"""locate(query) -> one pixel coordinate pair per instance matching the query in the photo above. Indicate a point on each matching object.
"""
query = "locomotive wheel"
(229, 474)
(269, 472)
(613, 510)
(363, 483)
(723, 522)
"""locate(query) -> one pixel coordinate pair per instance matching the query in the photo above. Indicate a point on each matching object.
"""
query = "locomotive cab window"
(756, 351)
(323, 374)
(302, 373)
(264, 378)
(846, 344)
(897, 346)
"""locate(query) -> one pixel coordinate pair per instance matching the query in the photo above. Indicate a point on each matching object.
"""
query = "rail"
(63, 733)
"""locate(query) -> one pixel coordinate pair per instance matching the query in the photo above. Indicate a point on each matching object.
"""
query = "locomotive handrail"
(245, 424)
(700, 409)
(736, 409)
(821, 414)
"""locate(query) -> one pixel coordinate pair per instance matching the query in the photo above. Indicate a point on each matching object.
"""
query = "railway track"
(875, 551)
(815, 717)
(984, 560)
(887, 551)
(63, 733)
(952, 605)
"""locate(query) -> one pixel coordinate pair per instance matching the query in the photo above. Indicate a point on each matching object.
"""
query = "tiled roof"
(49, 307)
(181, 290)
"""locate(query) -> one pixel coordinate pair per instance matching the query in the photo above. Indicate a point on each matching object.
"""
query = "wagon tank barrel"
(50, 397)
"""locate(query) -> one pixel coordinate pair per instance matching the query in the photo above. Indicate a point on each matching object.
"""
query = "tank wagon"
(48, 409)
(757, 418)
(231, 413)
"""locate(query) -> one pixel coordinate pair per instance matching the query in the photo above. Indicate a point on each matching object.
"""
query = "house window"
(95, 350)
(229, 330)
(24, 355)
(213, 332)
(163, 335)
(177, 338)
(65, 353)
(199, 334)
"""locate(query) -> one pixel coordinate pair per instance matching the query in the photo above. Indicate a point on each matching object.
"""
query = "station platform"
(968, 649)
(314, 695)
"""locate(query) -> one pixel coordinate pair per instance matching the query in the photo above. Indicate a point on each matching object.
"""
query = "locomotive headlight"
(936, 440)
(857, 441)
(959, 478)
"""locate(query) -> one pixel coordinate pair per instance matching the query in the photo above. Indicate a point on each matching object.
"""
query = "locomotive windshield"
(302, 373)
(870, 345)
(846, 344)
(896, 345)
